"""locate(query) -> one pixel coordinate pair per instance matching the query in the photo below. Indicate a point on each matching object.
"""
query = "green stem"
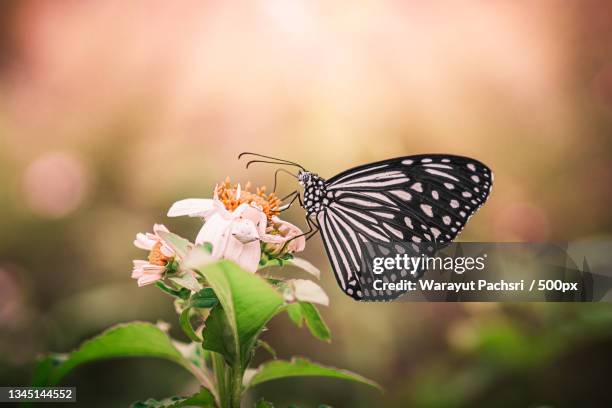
(236, 386)
(218, 366)
(229, 382)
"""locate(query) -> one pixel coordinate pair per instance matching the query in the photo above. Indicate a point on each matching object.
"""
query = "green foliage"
(182, 293)
(202, 399)
(315, 322)
(262, 403)
(294, 310)
(185, 321)
(300, 367)
(138, 339)
(236, 306)
(304, 311)
(204, 299)
(264, 345)
(247, 302)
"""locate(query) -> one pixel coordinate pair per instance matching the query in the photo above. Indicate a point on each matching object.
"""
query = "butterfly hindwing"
(416, 199)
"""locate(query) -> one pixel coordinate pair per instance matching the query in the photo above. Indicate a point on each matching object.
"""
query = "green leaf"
(218, 335)
(262, 403)
(204, 299)
(138, 339)
(202, 399)
(247, 302)
(266, 346)
(294, 310)
(315, 322)
(183, 293)
(180, 245)
(299, 367)
(185, 321)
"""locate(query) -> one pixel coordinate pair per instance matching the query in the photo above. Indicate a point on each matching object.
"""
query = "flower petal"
(308, 291)
(245, 255)
(306, 266)
(166, 251)
(149, 269)
(148, 279)
(193, 207)
(214, 231)
(143, 242)
(159, 227)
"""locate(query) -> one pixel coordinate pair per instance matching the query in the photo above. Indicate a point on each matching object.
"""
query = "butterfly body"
(316, 196)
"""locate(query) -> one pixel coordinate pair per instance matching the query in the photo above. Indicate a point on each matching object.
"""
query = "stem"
(218, 366)
(236, 386)
(229, 382)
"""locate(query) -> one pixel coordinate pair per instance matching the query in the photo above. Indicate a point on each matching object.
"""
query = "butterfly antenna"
(279, 161)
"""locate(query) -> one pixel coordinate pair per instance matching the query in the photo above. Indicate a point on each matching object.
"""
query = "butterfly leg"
(313, 228)
(313, 231)
(293, 196)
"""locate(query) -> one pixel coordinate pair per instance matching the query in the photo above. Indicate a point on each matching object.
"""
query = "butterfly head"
(304, 177)
(314, 191)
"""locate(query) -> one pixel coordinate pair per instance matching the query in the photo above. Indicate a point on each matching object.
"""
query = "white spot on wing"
(471, 166)
(446, 219)
(408, 222)
(454, 203)
(401, 194)
(427, 210)
(435, 232)
(417, 187)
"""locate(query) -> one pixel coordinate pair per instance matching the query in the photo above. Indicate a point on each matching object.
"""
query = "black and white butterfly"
(424, 200)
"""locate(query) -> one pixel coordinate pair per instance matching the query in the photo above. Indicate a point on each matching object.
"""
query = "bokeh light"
(55, 184)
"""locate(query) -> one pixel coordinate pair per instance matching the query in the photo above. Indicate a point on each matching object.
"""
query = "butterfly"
(422, 202)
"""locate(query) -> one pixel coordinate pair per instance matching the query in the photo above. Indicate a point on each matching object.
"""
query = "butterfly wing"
(423, 200)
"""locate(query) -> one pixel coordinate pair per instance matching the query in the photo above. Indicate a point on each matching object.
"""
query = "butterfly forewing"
(423, 200)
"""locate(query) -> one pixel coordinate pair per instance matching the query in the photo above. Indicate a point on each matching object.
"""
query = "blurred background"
(110, 111)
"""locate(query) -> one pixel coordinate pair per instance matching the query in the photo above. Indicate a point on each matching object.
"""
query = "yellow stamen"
(156, 257)
(228, 196)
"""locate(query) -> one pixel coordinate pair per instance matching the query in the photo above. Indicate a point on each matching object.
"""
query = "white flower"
(151, 270)
(234, 235)
(237, 223)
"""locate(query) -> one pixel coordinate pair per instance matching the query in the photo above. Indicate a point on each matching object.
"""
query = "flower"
(237, 221)
(160, 254)
(283, 237)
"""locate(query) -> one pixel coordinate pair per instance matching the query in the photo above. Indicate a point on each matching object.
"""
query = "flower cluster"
(239, 225)
(160, 256)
